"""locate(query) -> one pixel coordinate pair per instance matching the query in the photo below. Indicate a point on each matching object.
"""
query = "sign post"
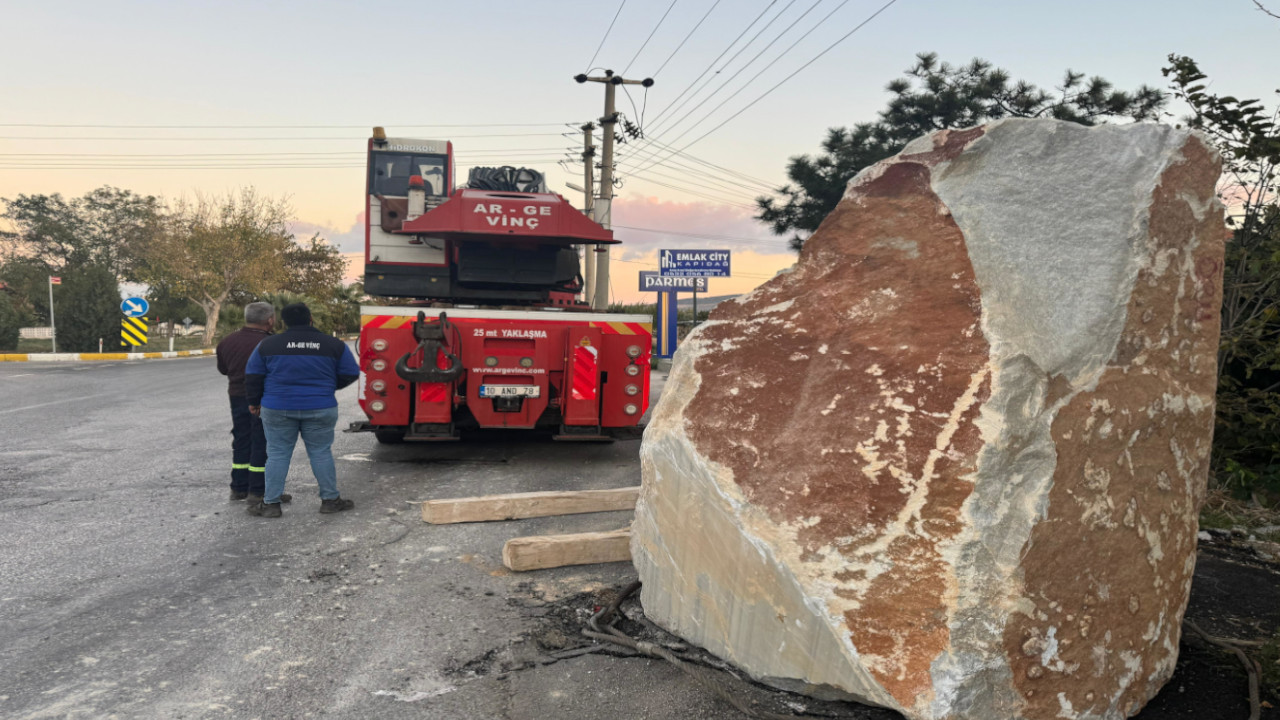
(53, 326)
(666, 314)
(133, 328)
(694, 263)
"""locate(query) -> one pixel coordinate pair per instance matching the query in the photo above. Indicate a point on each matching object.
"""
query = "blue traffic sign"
(651, 281)
(134, 307)
(694, 263)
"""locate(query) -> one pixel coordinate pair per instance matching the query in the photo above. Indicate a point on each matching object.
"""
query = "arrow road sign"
(694, 263)
(134, 307)
(653, 282)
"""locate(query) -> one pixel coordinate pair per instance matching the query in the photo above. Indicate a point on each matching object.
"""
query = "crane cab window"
(389, 173)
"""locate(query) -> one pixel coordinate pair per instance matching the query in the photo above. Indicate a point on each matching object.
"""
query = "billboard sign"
(694, 263)
(651, 281)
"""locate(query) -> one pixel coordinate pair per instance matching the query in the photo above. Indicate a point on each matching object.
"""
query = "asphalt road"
(131, 587)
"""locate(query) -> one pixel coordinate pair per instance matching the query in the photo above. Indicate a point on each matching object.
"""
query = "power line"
(749, 63)
(651, 34)
(606, 34)
(269, 127)
(729, 62)
(355, 153)
(695, 184)
(717, 172)
(686, 38)
(766, 93)
(705, 236)
(345, 138)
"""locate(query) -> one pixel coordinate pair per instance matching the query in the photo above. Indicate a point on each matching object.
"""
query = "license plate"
(494, 391)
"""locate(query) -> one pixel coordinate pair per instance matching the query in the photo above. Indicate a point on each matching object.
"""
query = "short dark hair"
(296, 314)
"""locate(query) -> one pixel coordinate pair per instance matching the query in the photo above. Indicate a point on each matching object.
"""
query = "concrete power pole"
(589, 182)
(604, 205)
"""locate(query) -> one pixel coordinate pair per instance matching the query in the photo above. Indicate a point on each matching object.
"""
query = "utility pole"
(604, 206)
(589, 183)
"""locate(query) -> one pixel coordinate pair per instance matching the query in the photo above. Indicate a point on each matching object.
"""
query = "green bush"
(86, 308)
(10, 323)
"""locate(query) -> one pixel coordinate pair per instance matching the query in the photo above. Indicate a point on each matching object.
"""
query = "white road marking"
(52, 402)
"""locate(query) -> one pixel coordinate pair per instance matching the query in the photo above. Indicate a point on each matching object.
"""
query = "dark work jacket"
(233, 355)
(299, 369)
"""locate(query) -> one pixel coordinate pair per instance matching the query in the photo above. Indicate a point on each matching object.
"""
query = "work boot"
(336, 505)
(284, 497)
(238, 495)
(266, 510)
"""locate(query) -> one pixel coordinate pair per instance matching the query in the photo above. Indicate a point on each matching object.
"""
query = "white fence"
(161, 330)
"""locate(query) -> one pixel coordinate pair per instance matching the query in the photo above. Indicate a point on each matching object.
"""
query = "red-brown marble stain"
(1114, 498)
(836, 401)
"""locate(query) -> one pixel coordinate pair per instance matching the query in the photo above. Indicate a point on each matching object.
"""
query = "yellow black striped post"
(133, 331)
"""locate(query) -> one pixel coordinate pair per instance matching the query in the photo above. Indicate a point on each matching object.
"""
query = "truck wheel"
(389, 437)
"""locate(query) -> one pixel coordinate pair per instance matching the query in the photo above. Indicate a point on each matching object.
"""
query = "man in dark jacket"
(248, 445)
(290, 381)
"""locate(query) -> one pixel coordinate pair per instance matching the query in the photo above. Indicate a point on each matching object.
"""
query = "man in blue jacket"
(290, 381)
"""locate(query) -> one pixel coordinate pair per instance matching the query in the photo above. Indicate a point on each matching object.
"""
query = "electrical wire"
(651, 34)
(685, 40)
(606, 34)
(704, 236)
(749, 63)
(781, 82)
(728, 62)
(345, 138)
(269, 127)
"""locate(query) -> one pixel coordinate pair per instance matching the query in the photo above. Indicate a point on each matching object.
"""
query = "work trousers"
(248, 449)
(283, 427)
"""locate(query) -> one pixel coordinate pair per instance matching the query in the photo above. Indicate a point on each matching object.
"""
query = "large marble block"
(951, 462)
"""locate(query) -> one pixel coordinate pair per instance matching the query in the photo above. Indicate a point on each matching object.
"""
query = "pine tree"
(937, 96)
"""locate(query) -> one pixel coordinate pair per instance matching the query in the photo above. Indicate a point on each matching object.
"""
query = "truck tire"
(389, 437)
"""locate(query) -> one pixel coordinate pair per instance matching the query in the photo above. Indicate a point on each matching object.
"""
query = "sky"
(281, 95)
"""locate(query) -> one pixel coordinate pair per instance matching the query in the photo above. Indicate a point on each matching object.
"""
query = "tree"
(1246, 455)
(314, 268)
(87, 308)
(214, 246)
(10, 320)
(108, 227)
(937, 96)
(27, 279)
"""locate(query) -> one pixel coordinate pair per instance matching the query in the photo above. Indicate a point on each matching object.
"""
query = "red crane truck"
(488, 329)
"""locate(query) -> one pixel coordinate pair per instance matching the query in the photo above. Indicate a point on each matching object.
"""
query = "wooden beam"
(515, 506)
(548, 551)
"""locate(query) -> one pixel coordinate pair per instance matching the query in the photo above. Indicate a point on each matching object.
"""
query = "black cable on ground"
(610, 634)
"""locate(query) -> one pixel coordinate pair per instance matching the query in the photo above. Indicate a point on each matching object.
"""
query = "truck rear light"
(380, 344)
(630, 409)
(633, 351)
(378, 385)
(633, 370)
(631, 390)
(526, 362)
(491, 361)
(378, 365)
(379, 406)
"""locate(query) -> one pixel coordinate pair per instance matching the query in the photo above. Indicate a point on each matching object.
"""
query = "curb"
(89, 357)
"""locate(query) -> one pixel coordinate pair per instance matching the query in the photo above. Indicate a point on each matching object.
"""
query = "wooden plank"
(548, 551)
(515, 506)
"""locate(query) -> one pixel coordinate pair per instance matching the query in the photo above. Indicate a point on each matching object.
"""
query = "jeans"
(282, 429)
(248, 448)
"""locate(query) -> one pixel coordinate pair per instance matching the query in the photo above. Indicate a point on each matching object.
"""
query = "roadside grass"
(111, 345)
(1221, 511)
